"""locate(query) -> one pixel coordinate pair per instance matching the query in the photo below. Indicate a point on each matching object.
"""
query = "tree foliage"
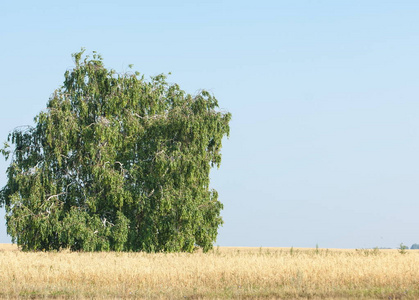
(116, 162)
(415, 246)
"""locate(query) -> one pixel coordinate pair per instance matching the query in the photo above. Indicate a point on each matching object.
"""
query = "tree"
(116, 162)
(415, 246)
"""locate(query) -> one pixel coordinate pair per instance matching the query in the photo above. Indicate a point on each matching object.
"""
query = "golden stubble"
(222, 273)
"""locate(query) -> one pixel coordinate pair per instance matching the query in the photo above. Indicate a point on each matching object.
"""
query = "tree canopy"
(415, 246)
(116, 162)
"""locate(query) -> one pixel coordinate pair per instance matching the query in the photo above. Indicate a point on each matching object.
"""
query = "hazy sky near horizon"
(324, 95)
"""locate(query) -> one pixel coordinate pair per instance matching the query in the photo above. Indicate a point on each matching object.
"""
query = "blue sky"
(324, 95)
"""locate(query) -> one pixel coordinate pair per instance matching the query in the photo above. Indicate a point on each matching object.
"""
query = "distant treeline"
(414, 246)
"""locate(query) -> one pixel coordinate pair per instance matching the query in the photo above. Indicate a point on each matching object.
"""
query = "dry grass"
(222, 273)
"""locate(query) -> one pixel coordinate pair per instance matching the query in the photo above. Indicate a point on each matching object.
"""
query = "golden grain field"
(222, 273)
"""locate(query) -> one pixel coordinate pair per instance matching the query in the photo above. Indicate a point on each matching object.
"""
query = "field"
(264, 273)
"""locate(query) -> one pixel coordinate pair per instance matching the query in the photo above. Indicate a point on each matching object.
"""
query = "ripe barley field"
(243, 273)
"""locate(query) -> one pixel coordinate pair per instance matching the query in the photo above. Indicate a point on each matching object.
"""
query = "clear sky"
(324, 145)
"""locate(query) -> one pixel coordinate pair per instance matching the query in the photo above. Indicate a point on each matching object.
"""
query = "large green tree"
(116, 162)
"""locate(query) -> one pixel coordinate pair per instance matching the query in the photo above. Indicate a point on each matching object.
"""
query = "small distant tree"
(116, 162)
(403, 248)
(415, 246)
